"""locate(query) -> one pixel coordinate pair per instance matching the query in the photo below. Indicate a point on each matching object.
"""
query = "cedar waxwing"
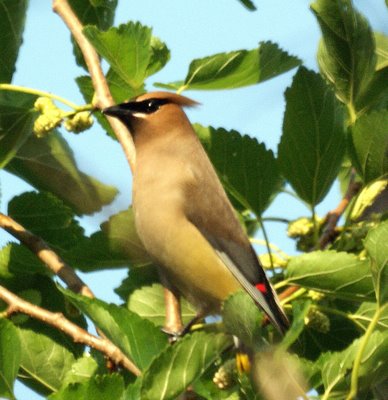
(182, 214)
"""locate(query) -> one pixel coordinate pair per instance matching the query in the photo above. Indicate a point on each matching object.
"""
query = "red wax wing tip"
(261, 287)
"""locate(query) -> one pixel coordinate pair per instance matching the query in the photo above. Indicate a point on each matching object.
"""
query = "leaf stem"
(268, 246)
(361, 349)
(41, 93)
(300, 292)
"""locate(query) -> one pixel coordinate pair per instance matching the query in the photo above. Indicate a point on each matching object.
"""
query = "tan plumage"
(182, 213)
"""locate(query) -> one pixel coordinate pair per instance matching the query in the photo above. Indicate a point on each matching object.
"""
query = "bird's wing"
(223, 231)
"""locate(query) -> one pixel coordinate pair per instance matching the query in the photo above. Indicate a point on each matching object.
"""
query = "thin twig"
(48, 256)
(333, 216)
(57, 320)
(103, 97)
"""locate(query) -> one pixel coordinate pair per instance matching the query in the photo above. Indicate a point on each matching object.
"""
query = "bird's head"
(152, 112)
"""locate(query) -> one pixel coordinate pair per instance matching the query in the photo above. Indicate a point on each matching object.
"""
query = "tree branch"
(57, 320)
(48, 256)
(102, 94)
(333, 216)
(55, 264)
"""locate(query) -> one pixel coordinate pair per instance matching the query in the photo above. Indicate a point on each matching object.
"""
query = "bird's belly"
(187, 259)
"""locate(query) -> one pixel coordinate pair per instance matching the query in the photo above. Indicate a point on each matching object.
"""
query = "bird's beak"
(118, 110)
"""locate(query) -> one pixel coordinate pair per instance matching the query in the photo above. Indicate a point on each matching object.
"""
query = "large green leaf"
(130, 50)
(138, 338)
(177, 366)
(97, 388)
(49, 164)
(10, 355)
(376, 244)
(373, 368)
(339, 274)
(247, 169)
(313, 142)
(44, 361)
(346, 55)
(370, 145)
(116, 245)
(236, 69)
(47, 216)
(16, 121)
(91, 12)
(12, 17)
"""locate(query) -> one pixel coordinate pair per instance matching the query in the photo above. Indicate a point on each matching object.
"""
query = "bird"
(182, 213)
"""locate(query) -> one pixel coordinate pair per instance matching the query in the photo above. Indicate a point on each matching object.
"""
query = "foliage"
(335, 126)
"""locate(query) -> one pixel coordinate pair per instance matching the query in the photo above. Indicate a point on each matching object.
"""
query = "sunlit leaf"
(173, 370)
(370, 145)
(313, 142)
(377, 246)
(49, 164)
(339, 274)
(346, 55)
(249, 171)
(10, 356)
(237, 68)
(138, 338)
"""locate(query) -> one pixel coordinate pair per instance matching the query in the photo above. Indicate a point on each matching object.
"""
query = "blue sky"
(191, 29)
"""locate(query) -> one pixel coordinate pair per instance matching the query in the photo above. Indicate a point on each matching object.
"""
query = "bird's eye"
(152, 106)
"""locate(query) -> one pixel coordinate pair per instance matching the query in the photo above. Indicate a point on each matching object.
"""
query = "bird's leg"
(189, 325)
(173, 323)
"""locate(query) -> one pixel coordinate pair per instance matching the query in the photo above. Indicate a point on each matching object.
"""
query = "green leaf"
(346, 55)
(373, 368)
(116, 245)
(367, 197)
(81, 371)
(44, 361)
(16, 260)
(381, 50)
(177, 366)
(243, 319)
(10, 355)
(377, 246)
(46, 216)
(365, 313)
(248, 4)
(313, 142)
(246, 168)
(12, 17)
(16, 121)
(237, 68)
(139, 339)
(340, 274)
(160, 55)
(370, 145)
(97, 388)
(90, 12)
(49, 164)
(130, 50)
(148, 302)
(375, 96)
(299, 310)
